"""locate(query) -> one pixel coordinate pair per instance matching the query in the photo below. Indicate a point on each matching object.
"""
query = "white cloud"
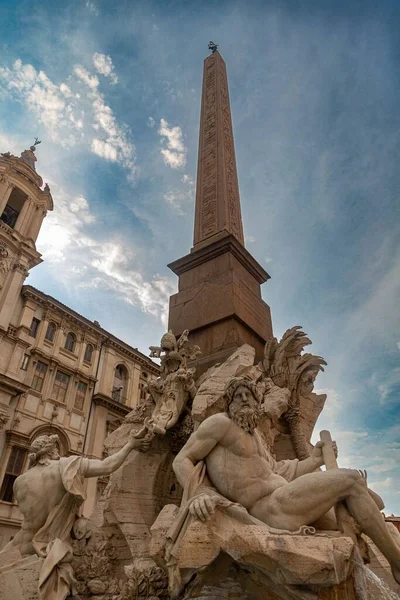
(114, 262)
(91, 6)
(39, 94)
(333, 405)
(69, 116)
(91, 81)
(389, 385)
(104, 66)
(116, 145)
(177, 199)
(187, 179)
(398, 345)
(175, 153)
(63, 228)
(107, 264)
(80, 206)
(65, 89)
(151, 122)
(249, 239)
(171, 91)
(104, 149)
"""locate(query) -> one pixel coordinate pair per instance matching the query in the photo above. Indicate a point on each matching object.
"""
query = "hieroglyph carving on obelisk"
(217, 194)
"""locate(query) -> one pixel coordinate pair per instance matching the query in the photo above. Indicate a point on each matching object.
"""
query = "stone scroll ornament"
(289, 368)
(167, 395)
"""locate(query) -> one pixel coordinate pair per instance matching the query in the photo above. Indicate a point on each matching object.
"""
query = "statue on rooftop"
(49, 495)
(213, 47)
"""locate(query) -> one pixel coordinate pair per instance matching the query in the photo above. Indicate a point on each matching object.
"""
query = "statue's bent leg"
(306, 499)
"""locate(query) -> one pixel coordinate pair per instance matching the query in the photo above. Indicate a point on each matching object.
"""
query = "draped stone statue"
(49, 495)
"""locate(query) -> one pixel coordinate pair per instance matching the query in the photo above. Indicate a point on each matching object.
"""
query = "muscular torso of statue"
(37, 492)
(239, 467)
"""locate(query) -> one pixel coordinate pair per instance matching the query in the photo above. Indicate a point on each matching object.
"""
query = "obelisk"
(219, 298)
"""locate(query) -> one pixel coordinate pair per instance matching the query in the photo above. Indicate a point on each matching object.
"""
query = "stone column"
(49, 381)
(106, 372)
(97, 435)
(133, 397)
(5, 193)
(42, 330)
(58, 338)
(14, 365)
(22, 218)
(81, 354)
(36, 223)
(19, 274)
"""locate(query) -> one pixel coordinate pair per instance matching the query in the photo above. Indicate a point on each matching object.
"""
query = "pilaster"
(24, 215)
(20, 272)
(36, 223)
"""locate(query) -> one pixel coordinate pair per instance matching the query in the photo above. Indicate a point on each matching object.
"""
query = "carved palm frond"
(269, 353)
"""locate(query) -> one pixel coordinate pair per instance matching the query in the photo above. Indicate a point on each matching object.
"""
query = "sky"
(113, 91)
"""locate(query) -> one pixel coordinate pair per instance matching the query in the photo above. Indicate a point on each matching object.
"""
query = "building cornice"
(14, 386)
(16, 166)
(17, 438)
(48, 302)
(110, 404)
(221, 244)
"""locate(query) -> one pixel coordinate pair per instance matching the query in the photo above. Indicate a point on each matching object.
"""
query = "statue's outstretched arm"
(97, 468)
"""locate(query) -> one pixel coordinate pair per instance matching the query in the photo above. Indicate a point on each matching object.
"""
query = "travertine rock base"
(19, 581)
(289, 560)
(136, 494)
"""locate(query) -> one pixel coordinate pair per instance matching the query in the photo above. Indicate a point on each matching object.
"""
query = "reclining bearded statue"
(225, 463)
(49, 495)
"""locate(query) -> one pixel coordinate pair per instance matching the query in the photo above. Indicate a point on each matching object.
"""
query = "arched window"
(88, 353)
(120, 384)
(70, 342)
(51, 331)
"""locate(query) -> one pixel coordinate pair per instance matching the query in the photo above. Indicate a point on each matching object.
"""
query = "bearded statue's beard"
(245, 418)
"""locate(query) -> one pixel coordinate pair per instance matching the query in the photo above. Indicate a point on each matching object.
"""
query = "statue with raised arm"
(225, 464)
(49, 495)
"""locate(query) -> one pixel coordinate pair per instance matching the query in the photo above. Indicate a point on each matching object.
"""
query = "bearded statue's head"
(243, 403)
(43, 449)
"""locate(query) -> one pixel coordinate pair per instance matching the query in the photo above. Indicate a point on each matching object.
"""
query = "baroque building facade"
(59, 372)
